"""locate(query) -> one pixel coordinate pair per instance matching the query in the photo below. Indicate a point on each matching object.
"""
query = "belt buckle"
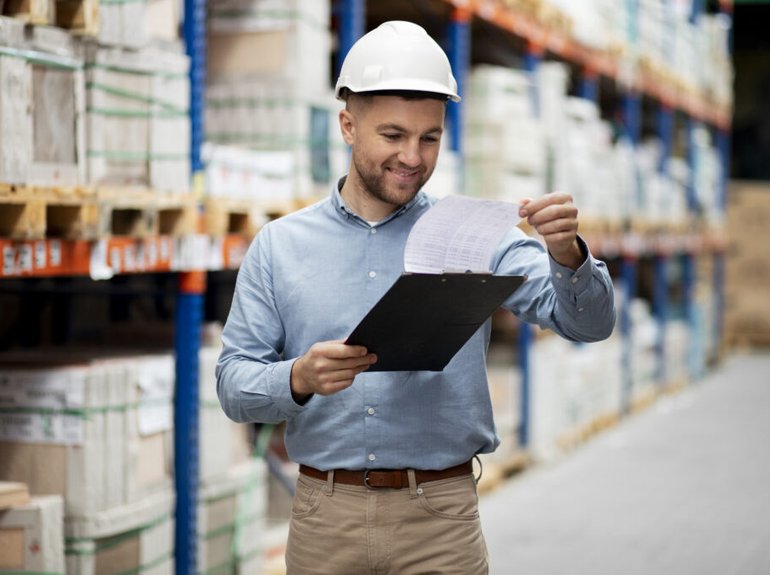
(366, 480)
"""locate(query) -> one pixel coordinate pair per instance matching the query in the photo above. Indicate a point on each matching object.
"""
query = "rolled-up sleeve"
(576, 304)
(253, 380)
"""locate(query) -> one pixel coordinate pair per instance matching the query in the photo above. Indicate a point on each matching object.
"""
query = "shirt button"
(372, 457)
(373, 231)
(580, 309)
(372, 274)
(574, 280)
(370, 411)
(558, 275)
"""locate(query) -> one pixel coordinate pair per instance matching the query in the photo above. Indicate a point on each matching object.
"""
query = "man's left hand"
(555, 218)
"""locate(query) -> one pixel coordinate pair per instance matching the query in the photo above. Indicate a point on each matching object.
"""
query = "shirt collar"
(339, 204)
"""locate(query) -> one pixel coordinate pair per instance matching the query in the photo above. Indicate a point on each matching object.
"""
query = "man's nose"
(409, 155)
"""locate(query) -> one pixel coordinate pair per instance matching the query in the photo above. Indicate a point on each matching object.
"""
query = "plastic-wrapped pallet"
(232, 520)
(136, 538)
(138, 125)
(98, 432)
(32, 537)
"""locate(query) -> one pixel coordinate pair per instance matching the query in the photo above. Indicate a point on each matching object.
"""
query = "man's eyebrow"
(397, 128)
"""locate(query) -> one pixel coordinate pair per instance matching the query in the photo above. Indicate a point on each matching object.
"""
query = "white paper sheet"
(458, 234)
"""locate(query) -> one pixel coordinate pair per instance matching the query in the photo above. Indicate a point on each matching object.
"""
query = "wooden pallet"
(42, 12)
(36, 213)
(80, 17)
(85, 213)
(138, 212)
(223, 216)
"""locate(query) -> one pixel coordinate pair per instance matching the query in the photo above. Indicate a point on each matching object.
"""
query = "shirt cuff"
(575, 281)
(279, 383)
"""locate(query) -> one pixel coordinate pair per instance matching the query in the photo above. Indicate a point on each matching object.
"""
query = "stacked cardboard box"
(232, 500)
(224, 444)
(98, 433)
(137, 118)
(505, 160)
(136, 24)
(747, 320)
(232, 520)
(280, 100)
(42, 106)
(135, 538)
(575, 392)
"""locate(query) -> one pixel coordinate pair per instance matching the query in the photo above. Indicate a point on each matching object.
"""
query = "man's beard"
(375, 184)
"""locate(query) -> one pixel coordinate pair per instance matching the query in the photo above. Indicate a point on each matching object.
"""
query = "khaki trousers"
(432, 528)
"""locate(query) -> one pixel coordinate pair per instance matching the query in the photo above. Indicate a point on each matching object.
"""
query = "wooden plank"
(13, 494)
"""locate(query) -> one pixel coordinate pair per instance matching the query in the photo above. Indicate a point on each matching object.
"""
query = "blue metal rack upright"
(188, 321)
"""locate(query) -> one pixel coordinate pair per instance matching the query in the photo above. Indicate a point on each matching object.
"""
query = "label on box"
(43, 388)
(41, 427)
(155, 378)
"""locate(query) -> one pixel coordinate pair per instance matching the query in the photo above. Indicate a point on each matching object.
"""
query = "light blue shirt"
(314, 274)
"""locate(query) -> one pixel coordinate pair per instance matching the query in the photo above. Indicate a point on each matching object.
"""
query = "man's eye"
(392, 136)
(430, 139)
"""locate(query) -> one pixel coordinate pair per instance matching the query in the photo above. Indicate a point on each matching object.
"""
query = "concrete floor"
(680, 489)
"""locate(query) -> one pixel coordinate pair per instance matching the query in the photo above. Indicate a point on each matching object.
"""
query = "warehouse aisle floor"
(682, 488)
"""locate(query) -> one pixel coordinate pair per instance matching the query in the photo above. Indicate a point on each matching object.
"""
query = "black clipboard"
(423, 320)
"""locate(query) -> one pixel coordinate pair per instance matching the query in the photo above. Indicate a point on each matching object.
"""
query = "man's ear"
(347, 126)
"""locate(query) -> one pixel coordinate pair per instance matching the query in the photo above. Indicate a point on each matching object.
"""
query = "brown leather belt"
(387, 478)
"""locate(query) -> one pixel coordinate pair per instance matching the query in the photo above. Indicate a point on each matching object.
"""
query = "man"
(386, 482)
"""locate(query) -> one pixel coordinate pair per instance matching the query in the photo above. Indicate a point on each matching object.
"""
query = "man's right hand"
(328, 367)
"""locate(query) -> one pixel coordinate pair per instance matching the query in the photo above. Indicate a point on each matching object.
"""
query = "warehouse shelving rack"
(62, 258)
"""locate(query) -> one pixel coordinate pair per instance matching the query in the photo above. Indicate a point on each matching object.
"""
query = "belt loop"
(413, 490)
(481, 469)
(329, 487)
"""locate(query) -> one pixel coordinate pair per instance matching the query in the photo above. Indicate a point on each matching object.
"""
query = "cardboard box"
(292, 39)
(32, 537)
(42, 108)
(138, 537)
(138, 126)
(58, 105)
(232, 520)
(224, 444)
(98, 433)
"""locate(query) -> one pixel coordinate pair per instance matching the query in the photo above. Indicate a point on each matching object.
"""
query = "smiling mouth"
(404, 174)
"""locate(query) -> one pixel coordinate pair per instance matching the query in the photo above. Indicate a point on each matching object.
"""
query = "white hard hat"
(397, 56)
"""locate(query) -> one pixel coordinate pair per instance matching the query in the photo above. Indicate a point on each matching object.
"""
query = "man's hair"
(366, 97)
